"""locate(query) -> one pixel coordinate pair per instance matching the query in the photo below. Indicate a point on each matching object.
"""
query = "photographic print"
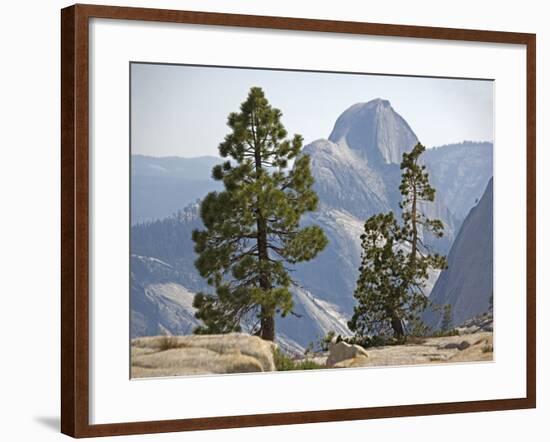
(287, 220)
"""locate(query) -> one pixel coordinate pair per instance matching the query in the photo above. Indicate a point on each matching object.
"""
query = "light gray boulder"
(343, 351)
(158, 356)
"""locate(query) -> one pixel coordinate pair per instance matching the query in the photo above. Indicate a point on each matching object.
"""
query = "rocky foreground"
(466, 348)
(160, 356)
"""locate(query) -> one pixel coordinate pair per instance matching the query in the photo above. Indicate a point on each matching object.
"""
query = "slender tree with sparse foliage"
(395, 261)
(252, 228)
(416, 193)
(447, 319)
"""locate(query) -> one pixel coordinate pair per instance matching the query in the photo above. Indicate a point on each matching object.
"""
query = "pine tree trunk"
(268, 328)
(267, 323)
(414, 227)
(397, 326)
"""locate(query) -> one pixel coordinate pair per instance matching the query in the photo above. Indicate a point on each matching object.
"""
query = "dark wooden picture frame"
(75, 219)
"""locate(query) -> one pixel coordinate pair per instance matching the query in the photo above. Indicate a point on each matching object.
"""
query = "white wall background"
(29, 221)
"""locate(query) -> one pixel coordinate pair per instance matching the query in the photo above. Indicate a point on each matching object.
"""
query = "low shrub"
(168, 342)
(284, 362)
(445, 333)
(325, 342)
(308, 364)
(367, 341)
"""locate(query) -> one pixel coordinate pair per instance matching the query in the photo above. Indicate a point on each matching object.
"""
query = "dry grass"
(167, 342)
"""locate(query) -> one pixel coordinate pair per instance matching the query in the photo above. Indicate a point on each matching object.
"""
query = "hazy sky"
(182, 110)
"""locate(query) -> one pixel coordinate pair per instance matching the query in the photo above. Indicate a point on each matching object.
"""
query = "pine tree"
(395, 261)
(252, 228)
(447, 320)
(416, 191)
(382, 292)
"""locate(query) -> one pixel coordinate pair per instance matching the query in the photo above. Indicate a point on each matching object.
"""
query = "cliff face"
(467, 285)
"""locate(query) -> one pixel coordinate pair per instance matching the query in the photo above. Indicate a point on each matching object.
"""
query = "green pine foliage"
(416, 191)
(395, 261)
(252, 228)
(382, 292)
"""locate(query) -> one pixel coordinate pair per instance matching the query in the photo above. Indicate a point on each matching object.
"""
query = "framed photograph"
(272, 221)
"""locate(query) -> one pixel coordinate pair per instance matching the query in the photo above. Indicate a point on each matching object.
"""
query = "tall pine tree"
(395, 261)
(416, 191)
(252, 228)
